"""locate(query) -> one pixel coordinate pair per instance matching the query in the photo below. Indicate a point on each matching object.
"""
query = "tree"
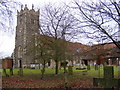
(58, 23)
(7, 8)
(43, 51)
(96, 19)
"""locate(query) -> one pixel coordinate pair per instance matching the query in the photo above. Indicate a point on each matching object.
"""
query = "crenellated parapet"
(26, 10)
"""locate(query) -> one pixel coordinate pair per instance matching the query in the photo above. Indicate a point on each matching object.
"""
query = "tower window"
(32, 21)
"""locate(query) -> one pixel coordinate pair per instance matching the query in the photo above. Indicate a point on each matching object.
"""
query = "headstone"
(37, 66)
(118, 68)
(41, 66)
(52, 64)
(119, 62)
(108, 72)
(119, 71)
(109, 62)
(96, 67)
(88, 67)
(108, 81)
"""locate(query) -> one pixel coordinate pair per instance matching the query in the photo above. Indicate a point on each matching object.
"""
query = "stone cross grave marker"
(108, 81)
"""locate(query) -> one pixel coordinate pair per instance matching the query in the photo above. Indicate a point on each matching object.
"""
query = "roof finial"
(25, 7)
(21, 7)
(32, 6)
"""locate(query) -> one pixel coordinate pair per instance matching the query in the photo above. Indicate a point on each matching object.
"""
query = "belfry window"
(19, 52)
(32, 21)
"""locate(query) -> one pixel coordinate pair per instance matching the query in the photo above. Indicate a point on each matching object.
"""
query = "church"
(26, 31)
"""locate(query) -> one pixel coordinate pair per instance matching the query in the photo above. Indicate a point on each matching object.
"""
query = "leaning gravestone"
(108, 81)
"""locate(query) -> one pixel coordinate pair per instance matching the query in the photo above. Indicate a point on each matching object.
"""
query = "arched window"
(19, 52)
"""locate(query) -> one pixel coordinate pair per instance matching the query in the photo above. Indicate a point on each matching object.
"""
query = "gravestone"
(96, 67)
(88, 67)
(108, 81)
(119, 71)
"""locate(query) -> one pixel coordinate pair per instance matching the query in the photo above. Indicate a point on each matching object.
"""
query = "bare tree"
(58, 23)
(7, 10)
(100, 19)
(43, 52)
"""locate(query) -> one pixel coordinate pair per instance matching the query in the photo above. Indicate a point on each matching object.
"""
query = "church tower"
(26, 31)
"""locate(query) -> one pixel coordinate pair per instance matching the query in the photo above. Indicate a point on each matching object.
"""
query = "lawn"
(32, 78)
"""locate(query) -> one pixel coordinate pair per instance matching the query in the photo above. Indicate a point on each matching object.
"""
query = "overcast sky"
(7, 40)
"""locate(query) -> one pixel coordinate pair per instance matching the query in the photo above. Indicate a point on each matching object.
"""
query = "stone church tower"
(26, 31)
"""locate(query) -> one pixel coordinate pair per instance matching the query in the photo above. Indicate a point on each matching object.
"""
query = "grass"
(50, 79)
(76, 73)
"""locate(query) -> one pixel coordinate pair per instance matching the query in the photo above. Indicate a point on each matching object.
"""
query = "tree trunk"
(65, 71)
(11, 71)
(4, 72)
(21, 70)
(56, 67)
(43, 70)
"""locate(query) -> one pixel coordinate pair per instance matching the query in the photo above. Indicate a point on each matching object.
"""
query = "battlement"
(26, 10)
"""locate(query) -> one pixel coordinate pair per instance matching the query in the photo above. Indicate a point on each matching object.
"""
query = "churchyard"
(72, 79)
